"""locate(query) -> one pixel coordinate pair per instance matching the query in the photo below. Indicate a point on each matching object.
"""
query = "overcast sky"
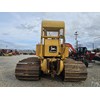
(22, 30)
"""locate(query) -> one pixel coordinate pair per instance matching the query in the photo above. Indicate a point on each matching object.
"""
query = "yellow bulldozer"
(52, 57)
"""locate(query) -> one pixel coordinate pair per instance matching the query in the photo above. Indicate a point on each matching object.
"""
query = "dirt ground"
(7, 78)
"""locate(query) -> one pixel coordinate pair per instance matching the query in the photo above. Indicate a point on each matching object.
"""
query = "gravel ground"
(7, 78)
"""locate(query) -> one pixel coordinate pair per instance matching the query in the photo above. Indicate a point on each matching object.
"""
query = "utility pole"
(76, 34)
(93, 45)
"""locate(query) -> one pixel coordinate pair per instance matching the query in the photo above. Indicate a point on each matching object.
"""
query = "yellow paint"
(44, 66)
(61, 67)
(49, 25)
(42, 50)
(65, 52)
(51, 42)
(39, 50)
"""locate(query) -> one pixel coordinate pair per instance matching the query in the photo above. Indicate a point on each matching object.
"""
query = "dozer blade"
(74, 70)
(28, 69)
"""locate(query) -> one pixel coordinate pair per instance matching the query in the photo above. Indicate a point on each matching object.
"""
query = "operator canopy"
(53, 25)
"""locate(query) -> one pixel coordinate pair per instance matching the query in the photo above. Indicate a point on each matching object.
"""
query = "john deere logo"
(52, 49)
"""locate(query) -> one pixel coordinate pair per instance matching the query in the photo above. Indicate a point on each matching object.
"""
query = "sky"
(23, 30)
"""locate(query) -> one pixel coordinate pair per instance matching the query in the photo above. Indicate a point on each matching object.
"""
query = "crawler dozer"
(52, 57)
